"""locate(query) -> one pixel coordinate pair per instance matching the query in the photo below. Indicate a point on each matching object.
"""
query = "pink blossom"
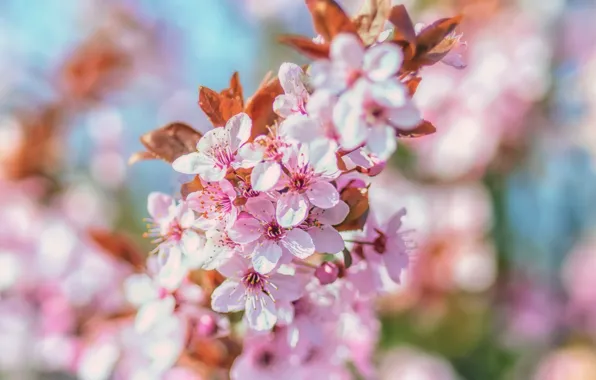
(318, 123)
(266, 239)
(295, 96)
(309, 170)
(371, 113)
(383, 252)
(255, 293)
(216, 150)
(219, 248)
(319, 225)
(349, 61)
(172, 223)
(214, 204)
(264, 156)
(264, 357)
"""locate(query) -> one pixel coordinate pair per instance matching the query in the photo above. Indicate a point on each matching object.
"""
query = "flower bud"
(327, 273)
(206, 326)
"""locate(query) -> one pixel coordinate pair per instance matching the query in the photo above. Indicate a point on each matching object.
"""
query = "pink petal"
(382, 142)
(228, 297)
(265, 175)
(261, 209)
(289, 288)
(347, 119)
(290, 78)
(323, 194)
(158, 205)
(321, 154)
(394, 223)
(335, 215)
(395, 262)
(299, 243)
(347, 50)
(260, 313)
(234, 268)
(152, 313)
(283, 105)
(238, 126)
(266, 255)
(454, 59)
(406, 117)
(382, 61)
(292, 209)
(326, 239)
(245, 230)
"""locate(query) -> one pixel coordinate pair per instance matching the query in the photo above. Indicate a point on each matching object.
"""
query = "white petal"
(382, 142)
(290, 78)
(228, 297)
(158, 205)
(193, 163)
(139, 289)
(301, 128)
(174, 271)
(239, 127)
(250, 155)
(283, 105)
(347, 50)
(323, 194)
(326, 239)
(265, 175)
(266, 255)
(299, 243)
(349, 123)
(382, 61)
(152, 313)
(292, 209)
(322, 157)
(261, 314)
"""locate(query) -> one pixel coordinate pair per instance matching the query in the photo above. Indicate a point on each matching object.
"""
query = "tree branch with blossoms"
(274, 221)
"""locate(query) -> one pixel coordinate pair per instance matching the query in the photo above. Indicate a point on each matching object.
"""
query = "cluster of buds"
(274, 221)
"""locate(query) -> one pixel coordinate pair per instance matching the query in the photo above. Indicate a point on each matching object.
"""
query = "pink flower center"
(273, 231)
(374, 113)
(223, 156)
(255, 282)
(301, 179)
(380, 243)
(174, 232)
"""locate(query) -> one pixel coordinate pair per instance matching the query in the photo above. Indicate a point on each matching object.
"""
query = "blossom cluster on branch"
(274, 221)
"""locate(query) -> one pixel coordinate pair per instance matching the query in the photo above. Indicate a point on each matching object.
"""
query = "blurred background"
(502, 198)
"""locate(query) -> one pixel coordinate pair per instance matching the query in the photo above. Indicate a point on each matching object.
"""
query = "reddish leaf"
(433, 34)
(231, 99)
(371, 19)
(118, 246)
(412, 85)
(329, 19)
(171, 141)
(425, 128)
(306, 46)
(357, 199)
(260, 107)
(191, 187)
(236, 87)
(141, 156)
(210, 103)
(404, 33)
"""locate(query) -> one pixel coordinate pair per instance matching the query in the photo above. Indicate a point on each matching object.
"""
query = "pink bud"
(206, 326)
(327, 273)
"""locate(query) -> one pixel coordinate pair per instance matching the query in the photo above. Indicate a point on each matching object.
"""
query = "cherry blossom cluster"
(274, 210)
(266, 217)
